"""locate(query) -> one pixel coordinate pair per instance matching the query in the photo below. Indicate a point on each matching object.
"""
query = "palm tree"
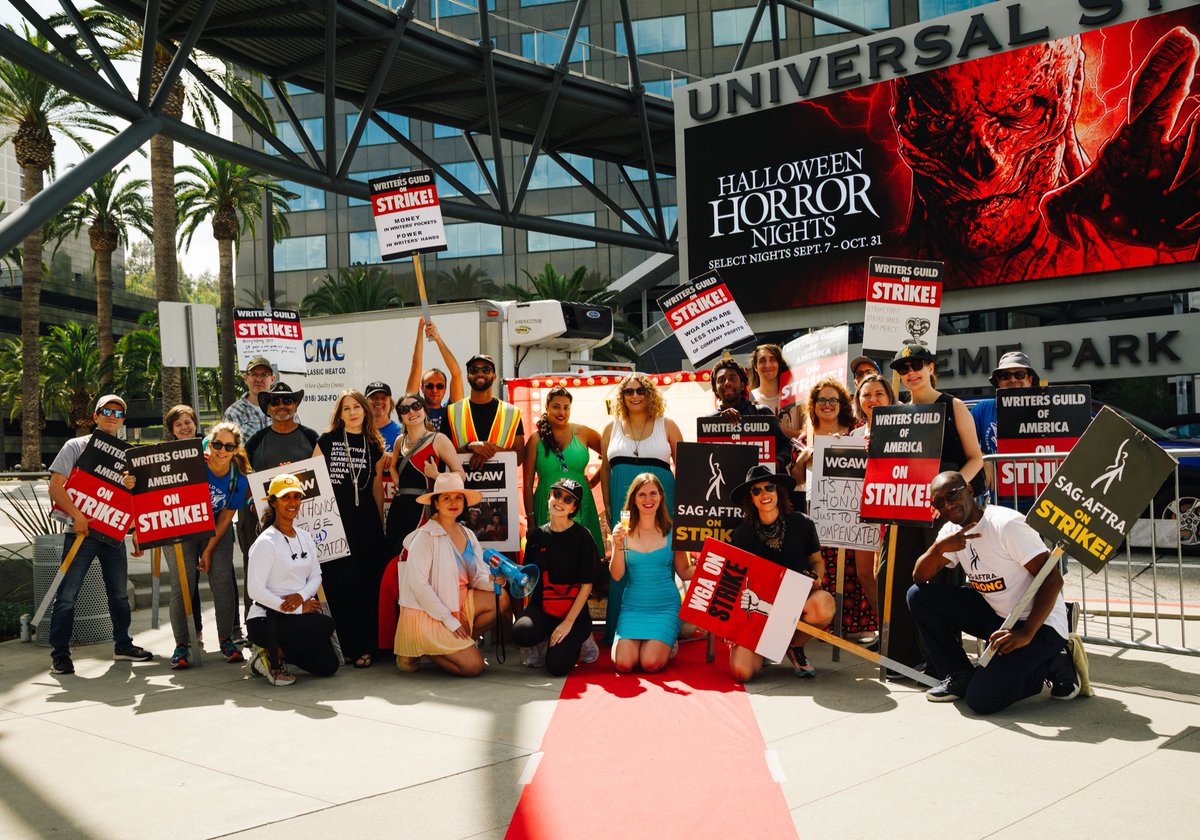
(464, 283)
(139, 360)
(31, 111)
(12, 260)
(109, 210)
(75, 373)
(230, 195)
(550, 284)
(123, 38)
(355, 289)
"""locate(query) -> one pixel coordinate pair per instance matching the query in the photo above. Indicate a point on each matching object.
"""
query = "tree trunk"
(228, 354)
(162, 199)
(31, 319)
(104, 293)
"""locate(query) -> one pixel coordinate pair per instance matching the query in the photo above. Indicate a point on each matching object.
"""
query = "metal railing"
(1133, 609)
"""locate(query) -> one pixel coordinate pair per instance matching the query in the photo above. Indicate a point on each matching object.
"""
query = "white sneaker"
(537, 655)
(590, 651)
(259, 664)
(526, 655)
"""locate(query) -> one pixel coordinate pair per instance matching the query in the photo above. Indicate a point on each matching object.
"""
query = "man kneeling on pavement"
(1000, 555)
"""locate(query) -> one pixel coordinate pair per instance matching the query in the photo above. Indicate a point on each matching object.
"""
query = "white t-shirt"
(994, 562)
(278, 566)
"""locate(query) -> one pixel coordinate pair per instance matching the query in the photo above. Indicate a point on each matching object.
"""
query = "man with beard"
(482, 424)
(1000, 554)
(731, 387)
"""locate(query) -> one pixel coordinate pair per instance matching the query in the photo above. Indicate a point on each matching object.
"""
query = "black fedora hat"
(279, 389)
(756, 474)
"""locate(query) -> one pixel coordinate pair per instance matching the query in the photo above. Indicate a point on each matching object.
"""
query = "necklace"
(355, 469)
(772, 535)
(637, 441)
(303, 555)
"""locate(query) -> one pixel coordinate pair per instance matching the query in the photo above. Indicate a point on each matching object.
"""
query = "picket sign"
(337, 643)
(181, 580)
(858, 650)
(155, 585)
(839, 594)
(1026, 600)
(57, 582)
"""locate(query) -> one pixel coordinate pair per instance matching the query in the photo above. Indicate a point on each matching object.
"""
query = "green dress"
(550, 469)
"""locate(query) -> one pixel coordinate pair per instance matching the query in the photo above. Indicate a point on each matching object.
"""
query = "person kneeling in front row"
(1000, 554)
(283, 577)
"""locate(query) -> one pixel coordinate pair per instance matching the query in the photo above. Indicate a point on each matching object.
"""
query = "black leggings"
(306, 640)
(535, 627)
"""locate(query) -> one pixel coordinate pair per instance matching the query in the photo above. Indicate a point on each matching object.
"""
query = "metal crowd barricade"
(1107, 618)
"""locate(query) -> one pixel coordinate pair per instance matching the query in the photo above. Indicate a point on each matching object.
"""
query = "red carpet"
(671, 755)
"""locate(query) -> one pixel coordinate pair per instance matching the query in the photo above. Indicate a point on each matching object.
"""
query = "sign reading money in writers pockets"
(319, 513)
(171, 502)
(1037, 420)
(706, 474)
(755, 429)
(742, 597)
(835, 493)
(1100, 490)
(96, 486)
(904, 299)
(904, 455)
(408, 215)
(705, 317)
(273, 334)
(811, 358)
(495, 519)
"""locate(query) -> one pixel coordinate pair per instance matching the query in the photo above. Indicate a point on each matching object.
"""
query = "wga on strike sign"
(408, 217)
(904, 298)
(756, 430)
(704, 317)
(904, 455)
(742, 597)
(171, 501)
(276, 335)
(1037, 420)
(96, 486)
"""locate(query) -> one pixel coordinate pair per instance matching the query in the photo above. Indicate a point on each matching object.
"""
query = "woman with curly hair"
(767, 371)
(640, 439)
(560, 450)
(353, 451)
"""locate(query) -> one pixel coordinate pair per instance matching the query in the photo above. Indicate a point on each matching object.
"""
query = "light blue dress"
(650, 604)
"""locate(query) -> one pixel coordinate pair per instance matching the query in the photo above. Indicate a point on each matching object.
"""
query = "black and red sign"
(171, 502)
(904, 455)
(96, 487)
(759, 430)
(705, 476)
(1037, 420)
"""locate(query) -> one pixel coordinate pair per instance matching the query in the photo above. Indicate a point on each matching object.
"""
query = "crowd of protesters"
(417, 584)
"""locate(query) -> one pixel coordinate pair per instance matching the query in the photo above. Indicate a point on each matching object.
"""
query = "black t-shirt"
(483, 415)
(343, 465)
(567, 559)
(269, 448)
(800, 540)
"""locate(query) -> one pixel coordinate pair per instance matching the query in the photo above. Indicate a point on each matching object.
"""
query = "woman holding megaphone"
(446, 599)
(556, 622)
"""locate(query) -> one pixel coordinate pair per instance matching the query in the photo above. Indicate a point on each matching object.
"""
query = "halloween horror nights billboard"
(1014, 141)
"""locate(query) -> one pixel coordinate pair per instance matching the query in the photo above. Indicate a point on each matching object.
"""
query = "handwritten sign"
(319, 513)
(835, 493)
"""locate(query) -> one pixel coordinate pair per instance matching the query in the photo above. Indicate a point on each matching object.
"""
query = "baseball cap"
(284, 483)
(482, 357)
(377, 387)
(106, 399)
(257, 361)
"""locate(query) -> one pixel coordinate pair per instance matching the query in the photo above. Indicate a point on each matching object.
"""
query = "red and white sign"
(903, 456)
(171, 502)
(276, 335)
(96, 487)
(904, 298)
(742, 597)
(408, 216)
(705, 317)
(811, 358)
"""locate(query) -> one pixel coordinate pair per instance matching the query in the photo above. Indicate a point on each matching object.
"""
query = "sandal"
(363, 661)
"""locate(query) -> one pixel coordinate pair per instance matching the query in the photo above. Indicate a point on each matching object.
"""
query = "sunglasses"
(111, 412)
(480, 369)
(940, 501)
(218, 446)
(638, 391)
(407, 407)
(434, 386)
(282, 401)
(904, 367)
(759, 489)
(1012, 375)
(827, 401)
(563, 495)
(863, 371)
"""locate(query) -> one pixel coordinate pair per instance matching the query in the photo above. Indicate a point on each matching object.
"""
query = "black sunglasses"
(904, 367)
(435, 386)
(282, 401)
(111, 412)
(759, 489)
(1007, 375)
(944, 499)
(563, 495)
(407, 407)
(228, 447)
(481, 369)
(638, 391)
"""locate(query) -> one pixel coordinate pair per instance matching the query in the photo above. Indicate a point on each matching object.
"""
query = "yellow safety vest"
(502, 433)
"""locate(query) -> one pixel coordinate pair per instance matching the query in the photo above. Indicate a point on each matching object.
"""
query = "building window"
(670, 217)
(636, 174)
(541, 2)
(730, 26)
(936, 8)
(873, 14)
(663, 87)
(547, 174)
(373, 134)
(546, 47)
(552, 242)
(314, 127)
(655, 35)
(309, 198)
(288, 88)
(300, 253)
(473, 239)
(364, 247)
(365, 176)
(466, 171)
(441, 131)
(454, 8)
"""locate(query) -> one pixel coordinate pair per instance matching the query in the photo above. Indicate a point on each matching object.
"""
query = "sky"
(201, 255)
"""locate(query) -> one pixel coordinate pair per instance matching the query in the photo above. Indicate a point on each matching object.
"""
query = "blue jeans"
(114, 568)
(943, 613)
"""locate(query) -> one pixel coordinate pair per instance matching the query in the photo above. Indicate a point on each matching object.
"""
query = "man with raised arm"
(482, 424)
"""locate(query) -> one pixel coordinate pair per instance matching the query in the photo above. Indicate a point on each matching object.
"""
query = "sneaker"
(280, 675)
(132, 653)
(239, 639)
(590, 651)
(954, 687)
(62, 665)
(537, 655)
(181, 659)
(231, 652)
(1062, 676)
(259, 663)
(800, 666)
